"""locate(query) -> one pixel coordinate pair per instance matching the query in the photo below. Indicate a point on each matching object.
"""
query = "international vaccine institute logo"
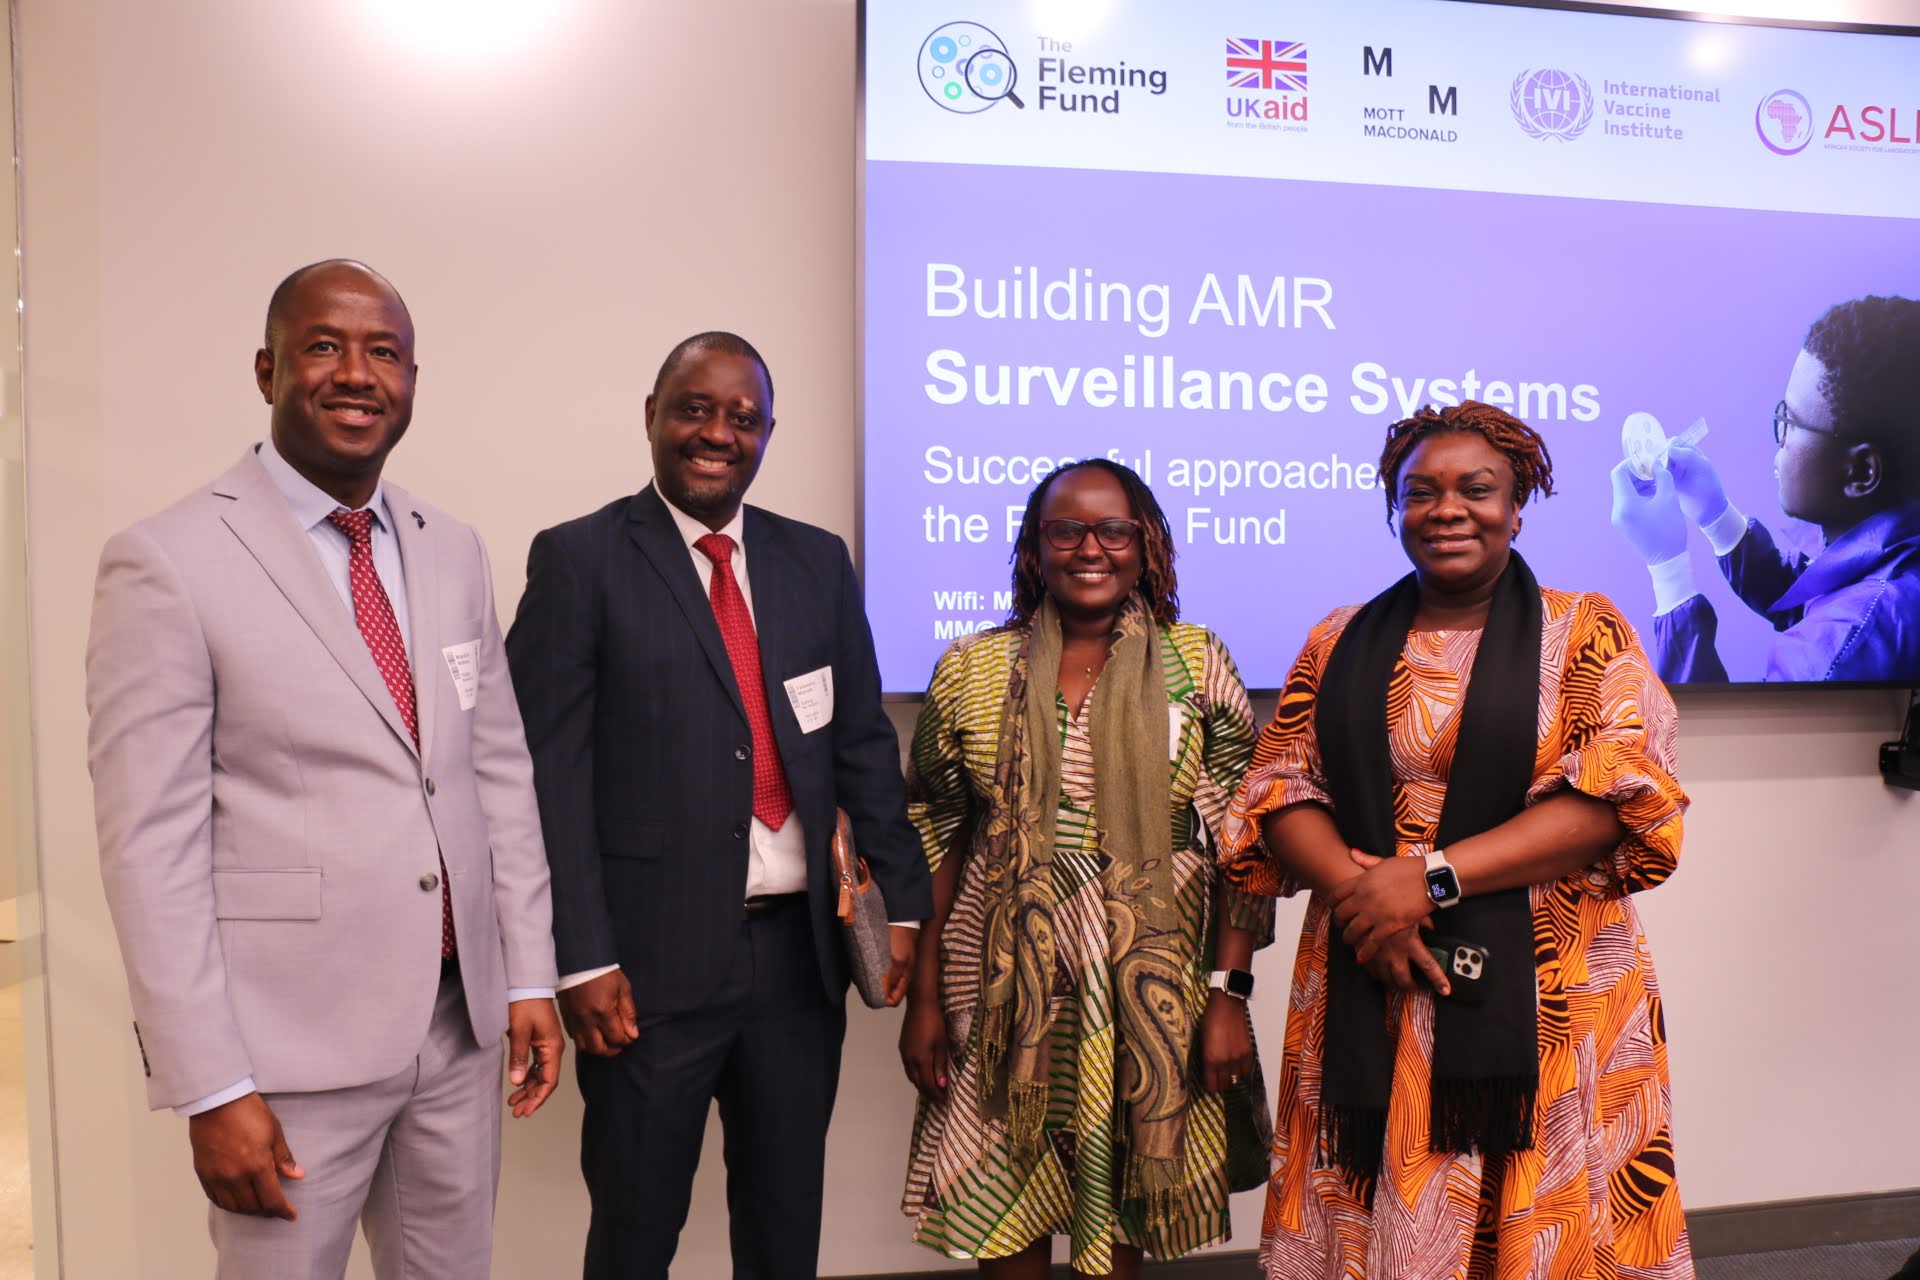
(1784, 121)
(966, 68)
(1549, 103)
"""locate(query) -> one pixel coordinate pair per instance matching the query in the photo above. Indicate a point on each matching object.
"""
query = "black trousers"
(766, 1046)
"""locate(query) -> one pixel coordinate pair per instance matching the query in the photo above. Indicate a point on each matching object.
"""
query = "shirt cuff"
(1672, 583)
(585, 975)
(529, 993)
(904, 924)
(1725, 530)
(219, 1099)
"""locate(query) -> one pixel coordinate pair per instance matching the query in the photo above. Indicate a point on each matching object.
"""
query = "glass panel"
(28, 1235)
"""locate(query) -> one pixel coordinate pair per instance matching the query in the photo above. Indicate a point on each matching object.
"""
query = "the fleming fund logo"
(966, 68)
(1784, 121)
(1267, 80)
(1549, 103)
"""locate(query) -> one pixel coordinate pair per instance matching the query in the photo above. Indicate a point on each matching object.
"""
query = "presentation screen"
(1230, 244)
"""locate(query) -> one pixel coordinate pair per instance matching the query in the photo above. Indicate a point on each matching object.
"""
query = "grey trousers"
(415, 1157)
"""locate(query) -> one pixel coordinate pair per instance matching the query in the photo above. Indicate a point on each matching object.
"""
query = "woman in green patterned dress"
(1084, 1069)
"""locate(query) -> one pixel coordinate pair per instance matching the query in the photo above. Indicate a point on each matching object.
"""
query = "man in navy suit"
(700, 693)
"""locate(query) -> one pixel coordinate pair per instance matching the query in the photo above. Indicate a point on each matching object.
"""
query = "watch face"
(1239, 983)
(1443, 884)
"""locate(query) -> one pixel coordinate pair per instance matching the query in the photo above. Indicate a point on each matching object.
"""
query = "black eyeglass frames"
(1783, 418)
(1114, 535)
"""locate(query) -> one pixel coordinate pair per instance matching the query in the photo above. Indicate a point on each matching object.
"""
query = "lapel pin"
(418, 519)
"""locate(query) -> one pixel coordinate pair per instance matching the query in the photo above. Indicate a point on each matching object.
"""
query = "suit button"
(429, 882)
(739, 753)
(740, 831)
(429, 786)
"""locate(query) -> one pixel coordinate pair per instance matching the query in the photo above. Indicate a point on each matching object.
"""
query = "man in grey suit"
(317, 823)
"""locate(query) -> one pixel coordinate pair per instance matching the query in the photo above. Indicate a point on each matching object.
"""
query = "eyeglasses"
(1783, 418)
(1067, 535)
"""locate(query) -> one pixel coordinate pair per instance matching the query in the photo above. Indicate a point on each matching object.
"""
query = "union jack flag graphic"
(1267, 64)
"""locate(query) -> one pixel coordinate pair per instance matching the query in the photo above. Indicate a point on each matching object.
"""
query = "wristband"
(1237, 983)
(1443, 882)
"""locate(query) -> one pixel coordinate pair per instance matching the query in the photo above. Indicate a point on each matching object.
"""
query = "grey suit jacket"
(268, 831)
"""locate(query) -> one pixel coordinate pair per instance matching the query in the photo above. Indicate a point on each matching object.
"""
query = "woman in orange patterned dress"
(1470, 774)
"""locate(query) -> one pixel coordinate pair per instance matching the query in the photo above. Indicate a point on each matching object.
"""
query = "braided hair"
(1158, 585)
(1517, 442)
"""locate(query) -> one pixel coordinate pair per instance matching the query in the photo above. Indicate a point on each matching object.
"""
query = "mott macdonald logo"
(1549, 103)
(967, 68)
(1386, 117)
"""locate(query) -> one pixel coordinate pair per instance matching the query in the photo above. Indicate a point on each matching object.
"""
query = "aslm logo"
(1877, 128)
(1549, 103)
(1267, 67)
(1784, 121)
(966, 68)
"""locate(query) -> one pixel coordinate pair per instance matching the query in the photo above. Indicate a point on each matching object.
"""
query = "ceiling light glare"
(465, 29)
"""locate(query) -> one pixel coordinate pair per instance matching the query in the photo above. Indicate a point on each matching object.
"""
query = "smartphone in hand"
(1464, 963)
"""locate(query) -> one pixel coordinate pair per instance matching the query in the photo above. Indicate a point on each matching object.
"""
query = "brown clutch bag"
(863, 917)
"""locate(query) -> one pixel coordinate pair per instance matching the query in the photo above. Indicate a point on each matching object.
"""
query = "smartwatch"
(1443, 884)
(1237, 983)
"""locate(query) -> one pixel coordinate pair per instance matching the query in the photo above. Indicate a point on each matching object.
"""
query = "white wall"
(558, 213)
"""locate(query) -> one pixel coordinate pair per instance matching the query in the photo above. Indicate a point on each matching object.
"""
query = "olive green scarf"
(1149, 949)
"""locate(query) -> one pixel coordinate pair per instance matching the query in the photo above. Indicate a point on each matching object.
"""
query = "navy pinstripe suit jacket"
(637, 732)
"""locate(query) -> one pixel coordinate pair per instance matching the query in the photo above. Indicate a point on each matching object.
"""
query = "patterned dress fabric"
(969, 1195)
(1596, 1197)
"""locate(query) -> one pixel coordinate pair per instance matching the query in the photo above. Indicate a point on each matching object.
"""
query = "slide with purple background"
(1244, 342)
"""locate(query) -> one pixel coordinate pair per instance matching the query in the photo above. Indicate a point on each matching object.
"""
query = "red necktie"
(772, 798)
(374, 612)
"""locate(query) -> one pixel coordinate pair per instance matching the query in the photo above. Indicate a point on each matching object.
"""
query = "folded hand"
(1390, 898)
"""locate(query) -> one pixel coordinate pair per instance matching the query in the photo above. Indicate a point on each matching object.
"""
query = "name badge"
(812, 698)
(463, 663)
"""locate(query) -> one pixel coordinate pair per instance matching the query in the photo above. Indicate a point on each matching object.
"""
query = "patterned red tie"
(772, 798)
(374, 612)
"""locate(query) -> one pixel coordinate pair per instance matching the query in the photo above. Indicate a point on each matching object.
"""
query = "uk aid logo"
(966, 68)
(1276, 70)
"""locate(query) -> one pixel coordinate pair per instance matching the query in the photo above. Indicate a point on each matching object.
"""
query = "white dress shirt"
(311, 506)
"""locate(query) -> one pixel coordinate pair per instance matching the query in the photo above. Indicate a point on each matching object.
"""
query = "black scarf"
(1485, 1060)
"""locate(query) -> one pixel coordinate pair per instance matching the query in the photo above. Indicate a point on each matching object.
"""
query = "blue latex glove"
(1647, 513)
(1697, 481)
